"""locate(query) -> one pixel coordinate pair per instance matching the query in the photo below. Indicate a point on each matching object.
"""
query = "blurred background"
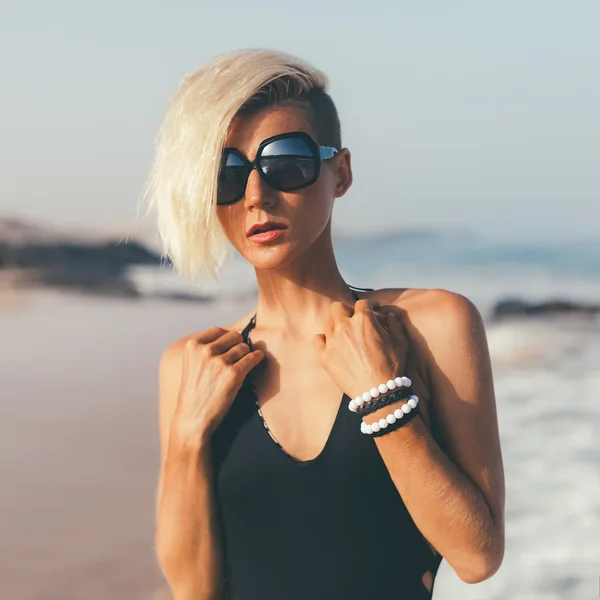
(475, 134)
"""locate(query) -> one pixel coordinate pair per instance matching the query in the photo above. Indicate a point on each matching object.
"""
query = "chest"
(298, 404)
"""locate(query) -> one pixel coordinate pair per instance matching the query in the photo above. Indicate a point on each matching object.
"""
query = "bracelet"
(383, 388)
(399, 423)
(370, 407)
(392, 421)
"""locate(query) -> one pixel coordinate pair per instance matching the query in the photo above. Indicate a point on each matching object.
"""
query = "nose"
(258, 193)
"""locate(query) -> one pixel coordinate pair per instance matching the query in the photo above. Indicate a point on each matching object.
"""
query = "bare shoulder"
(432, 313)
(427, 303)
(172, 356)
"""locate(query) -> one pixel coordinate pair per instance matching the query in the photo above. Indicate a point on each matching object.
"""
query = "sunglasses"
(286, 162)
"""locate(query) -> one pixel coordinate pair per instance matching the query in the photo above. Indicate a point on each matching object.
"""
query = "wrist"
(184, 437)
(382, 413)
(411, 429)
(384, 394)
(375, 389)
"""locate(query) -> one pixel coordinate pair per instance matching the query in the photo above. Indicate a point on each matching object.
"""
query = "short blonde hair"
(182, 186)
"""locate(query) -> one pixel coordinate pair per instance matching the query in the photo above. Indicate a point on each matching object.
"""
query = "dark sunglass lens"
(232, 179)
(288, 163)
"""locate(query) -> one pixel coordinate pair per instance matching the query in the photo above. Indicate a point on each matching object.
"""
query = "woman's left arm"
(456, 498)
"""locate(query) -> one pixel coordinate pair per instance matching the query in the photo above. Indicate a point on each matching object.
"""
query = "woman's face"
(306, 212)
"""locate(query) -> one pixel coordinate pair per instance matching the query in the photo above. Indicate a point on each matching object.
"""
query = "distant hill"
(393, 235)
(33, 255)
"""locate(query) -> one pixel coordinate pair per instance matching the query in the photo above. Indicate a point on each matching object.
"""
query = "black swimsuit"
(331, 528)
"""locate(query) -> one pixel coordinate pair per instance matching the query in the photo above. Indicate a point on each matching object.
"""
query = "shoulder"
(435, 314)
(440, 310)
(445, 329)
(170, 369)
(172, 356)
(448, 333)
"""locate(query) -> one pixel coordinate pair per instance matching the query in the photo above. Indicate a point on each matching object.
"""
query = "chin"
(270, 257)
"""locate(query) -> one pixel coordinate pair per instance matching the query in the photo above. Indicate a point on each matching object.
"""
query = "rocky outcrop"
(35, 256)
(511, 308)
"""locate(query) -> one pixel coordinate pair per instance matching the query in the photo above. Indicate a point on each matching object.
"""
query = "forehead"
(246, 133)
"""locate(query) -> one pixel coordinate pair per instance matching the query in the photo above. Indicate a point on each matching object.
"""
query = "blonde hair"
(182, 186)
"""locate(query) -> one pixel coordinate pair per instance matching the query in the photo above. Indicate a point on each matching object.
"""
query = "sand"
(79, 442)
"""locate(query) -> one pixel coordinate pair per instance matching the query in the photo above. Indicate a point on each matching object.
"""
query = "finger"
(385, 310)
(340, 311)
(249, 361)
(225, 342)
(382, 320)
(236, 352)
(378, 320)
(210, 335)
(395, 326)
(329, 326)
(363, 305)
(373, 309)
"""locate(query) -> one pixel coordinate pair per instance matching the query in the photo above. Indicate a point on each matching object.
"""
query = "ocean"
(547, 381)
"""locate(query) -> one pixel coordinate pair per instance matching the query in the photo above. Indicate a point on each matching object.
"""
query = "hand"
(215, 364)
(357, 351)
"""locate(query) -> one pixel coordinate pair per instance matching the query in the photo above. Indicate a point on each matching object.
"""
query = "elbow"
(162, 554)
(484, 565)
(477, 576)
(186, 581)
(171, 566)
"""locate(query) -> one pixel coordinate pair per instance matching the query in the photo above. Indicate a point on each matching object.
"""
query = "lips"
(266, 226)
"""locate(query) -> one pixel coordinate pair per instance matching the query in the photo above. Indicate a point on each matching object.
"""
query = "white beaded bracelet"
(391, 418)
(392, 384)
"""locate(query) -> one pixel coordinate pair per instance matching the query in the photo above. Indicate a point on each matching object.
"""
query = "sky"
(460, 116)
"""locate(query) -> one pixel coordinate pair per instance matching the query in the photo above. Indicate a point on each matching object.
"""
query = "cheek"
(322, 198)
(311, 208)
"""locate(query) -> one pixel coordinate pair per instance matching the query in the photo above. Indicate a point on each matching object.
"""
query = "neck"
(297, 298)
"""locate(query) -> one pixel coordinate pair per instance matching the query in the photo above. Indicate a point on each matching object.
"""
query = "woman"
(335, 443)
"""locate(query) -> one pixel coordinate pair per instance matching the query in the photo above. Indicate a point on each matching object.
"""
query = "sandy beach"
(78, 442)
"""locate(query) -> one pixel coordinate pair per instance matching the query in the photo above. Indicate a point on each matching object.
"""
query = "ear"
(343, 166)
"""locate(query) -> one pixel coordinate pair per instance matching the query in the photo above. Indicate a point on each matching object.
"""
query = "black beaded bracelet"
(370, 407)
(407, 418)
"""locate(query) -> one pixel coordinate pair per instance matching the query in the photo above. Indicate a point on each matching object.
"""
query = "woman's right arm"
(198, 380)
